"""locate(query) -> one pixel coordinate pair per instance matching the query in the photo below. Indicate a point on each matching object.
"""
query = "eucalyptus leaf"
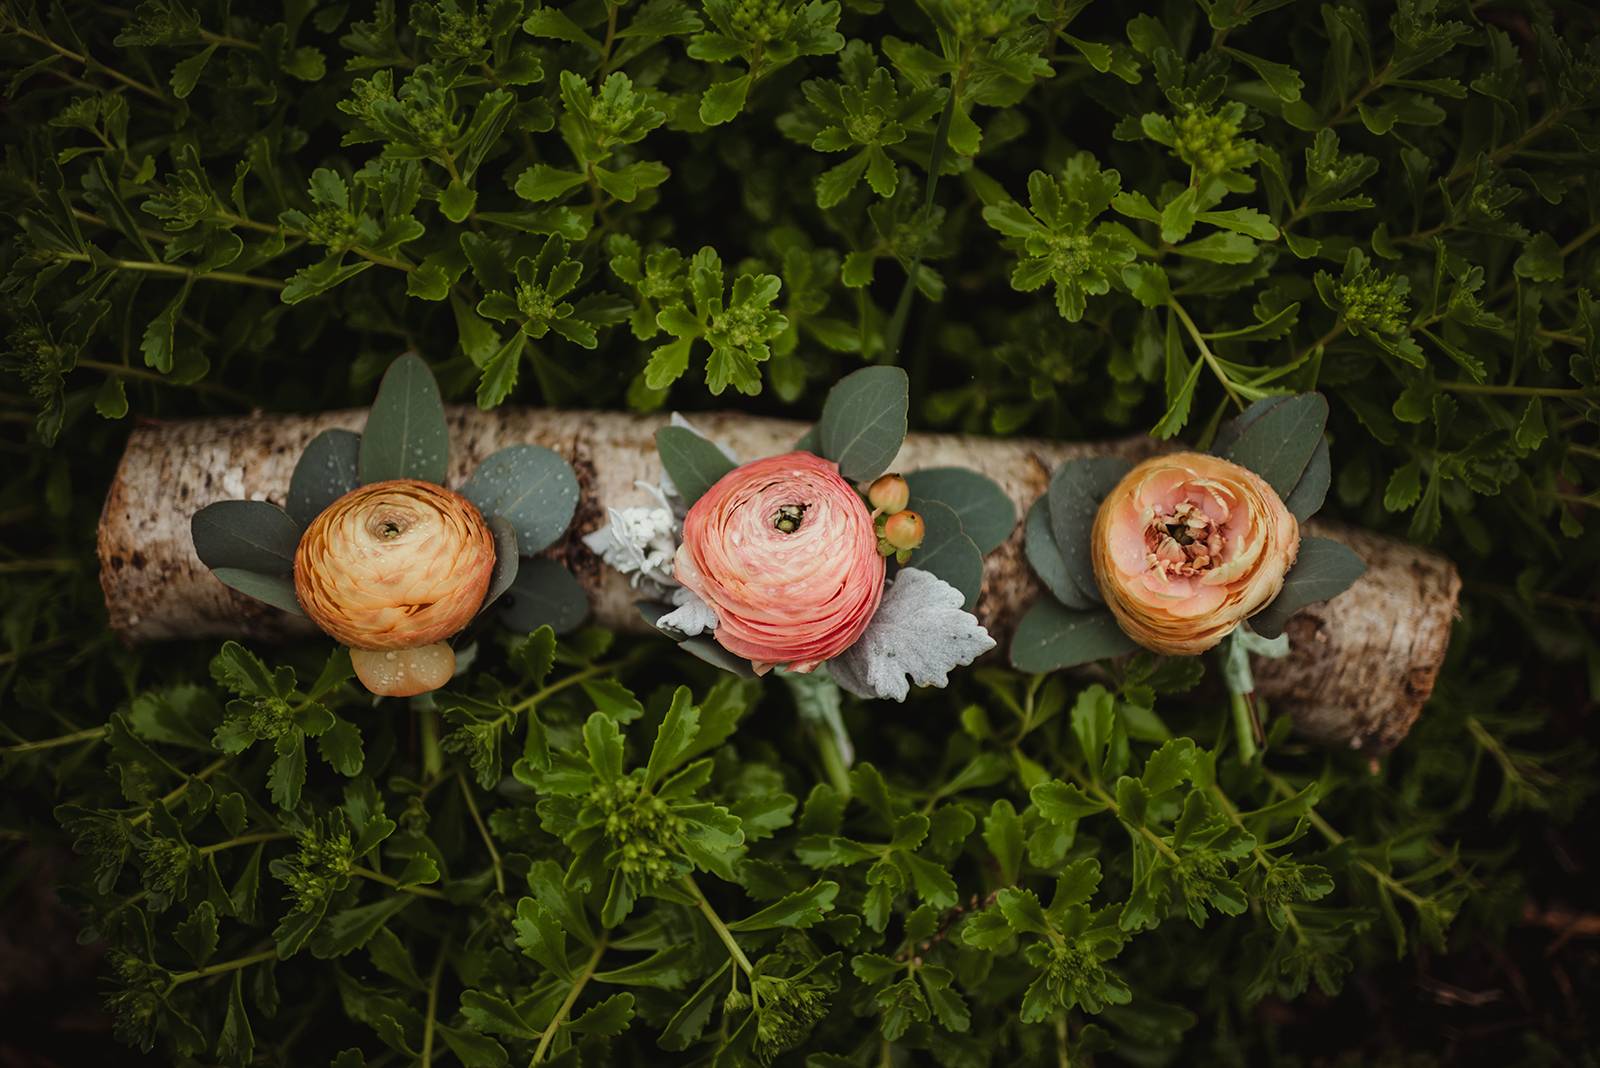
(327, 470)
(1076, 490)
(505, 559)
(1046, 559)
(1279, 442)
(267, 587)
(1324, 569)
(544, 594)
(406, 435)
(1051, 637)
(693, 463)
(246, 535)
(1305, 500)
(533, 488)
(987, 512)
(947, 551)
(864, 421)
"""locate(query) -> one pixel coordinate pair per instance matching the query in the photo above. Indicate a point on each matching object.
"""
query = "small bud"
(904, 530)
(889, 494)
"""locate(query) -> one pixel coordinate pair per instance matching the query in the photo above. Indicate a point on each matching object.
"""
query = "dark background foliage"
(210, 208)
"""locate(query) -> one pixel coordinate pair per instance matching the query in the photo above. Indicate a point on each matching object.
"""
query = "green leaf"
(245, 535)
(693, 463)
(505, 559)
(456, 200)
(198, 934)
(351, 929)
(187, 71)
(801, 909)
(674, 738)
(405, 436)
(541, 182)
(531, 487)
(724, 100)
(1323, 570)
(1282, 79)
(326, 471)
(1052, 636)
(608, 1017)
(864, 421)
(495, 1015)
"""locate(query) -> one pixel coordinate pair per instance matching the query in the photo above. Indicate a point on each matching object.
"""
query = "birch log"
(1360, 669)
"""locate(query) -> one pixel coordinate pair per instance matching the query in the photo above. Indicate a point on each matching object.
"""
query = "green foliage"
(1063, 218)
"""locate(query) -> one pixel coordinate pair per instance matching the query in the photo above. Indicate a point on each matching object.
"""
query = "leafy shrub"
(1063, 218)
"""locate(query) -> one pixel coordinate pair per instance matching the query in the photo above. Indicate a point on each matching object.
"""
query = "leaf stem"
(483, 831)
(124, 371)
(571, 999)
(718, 926)
(1509, 391)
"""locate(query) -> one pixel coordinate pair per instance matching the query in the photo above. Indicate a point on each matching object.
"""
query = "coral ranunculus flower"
(1188, 546)
(395, 566)
(784, 552)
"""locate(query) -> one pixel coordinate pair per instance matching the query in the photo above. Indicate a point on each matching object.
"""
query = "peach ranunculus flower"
(1188, 546)
(392, 569)
(785, 554)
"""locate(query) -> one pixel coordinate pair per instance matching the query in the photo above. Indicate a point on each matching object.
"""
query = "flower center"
(389, 523)
(1184, 542)
(788, 517)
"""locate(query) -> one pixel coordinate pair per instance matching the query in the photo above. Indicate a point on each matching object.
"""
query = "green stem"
(571, 680)
(244, 840)
(182, 788)
(67, 53)
(230, 42)
(152, 267)
(483, 831)
(571, 999)
(433, 1006)
(14, 566)
(124, 371)
(179, 978)
(832, 761)
(389, 880)
(718, 926)
(1329, 832)
(1205, 352)
(896, 329)
(88, 734)
(1244, 728)
(1509, 391)
(432, 755)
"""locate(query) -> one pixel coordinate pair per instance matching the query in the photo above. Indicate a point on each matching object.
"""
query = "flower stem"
(244, 840)
(432, 756)
(832, 761)
(571, 999)
(1244, 727)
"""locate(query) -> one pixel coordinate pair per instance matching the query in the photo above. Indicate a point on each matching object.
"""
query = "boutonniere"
(383, 557)
(1187, 551)
(819, 556)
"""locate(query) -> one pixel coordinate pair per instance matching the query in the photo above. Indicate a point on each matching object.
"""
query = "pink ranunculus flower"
(785, 554)
(1187, 547)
